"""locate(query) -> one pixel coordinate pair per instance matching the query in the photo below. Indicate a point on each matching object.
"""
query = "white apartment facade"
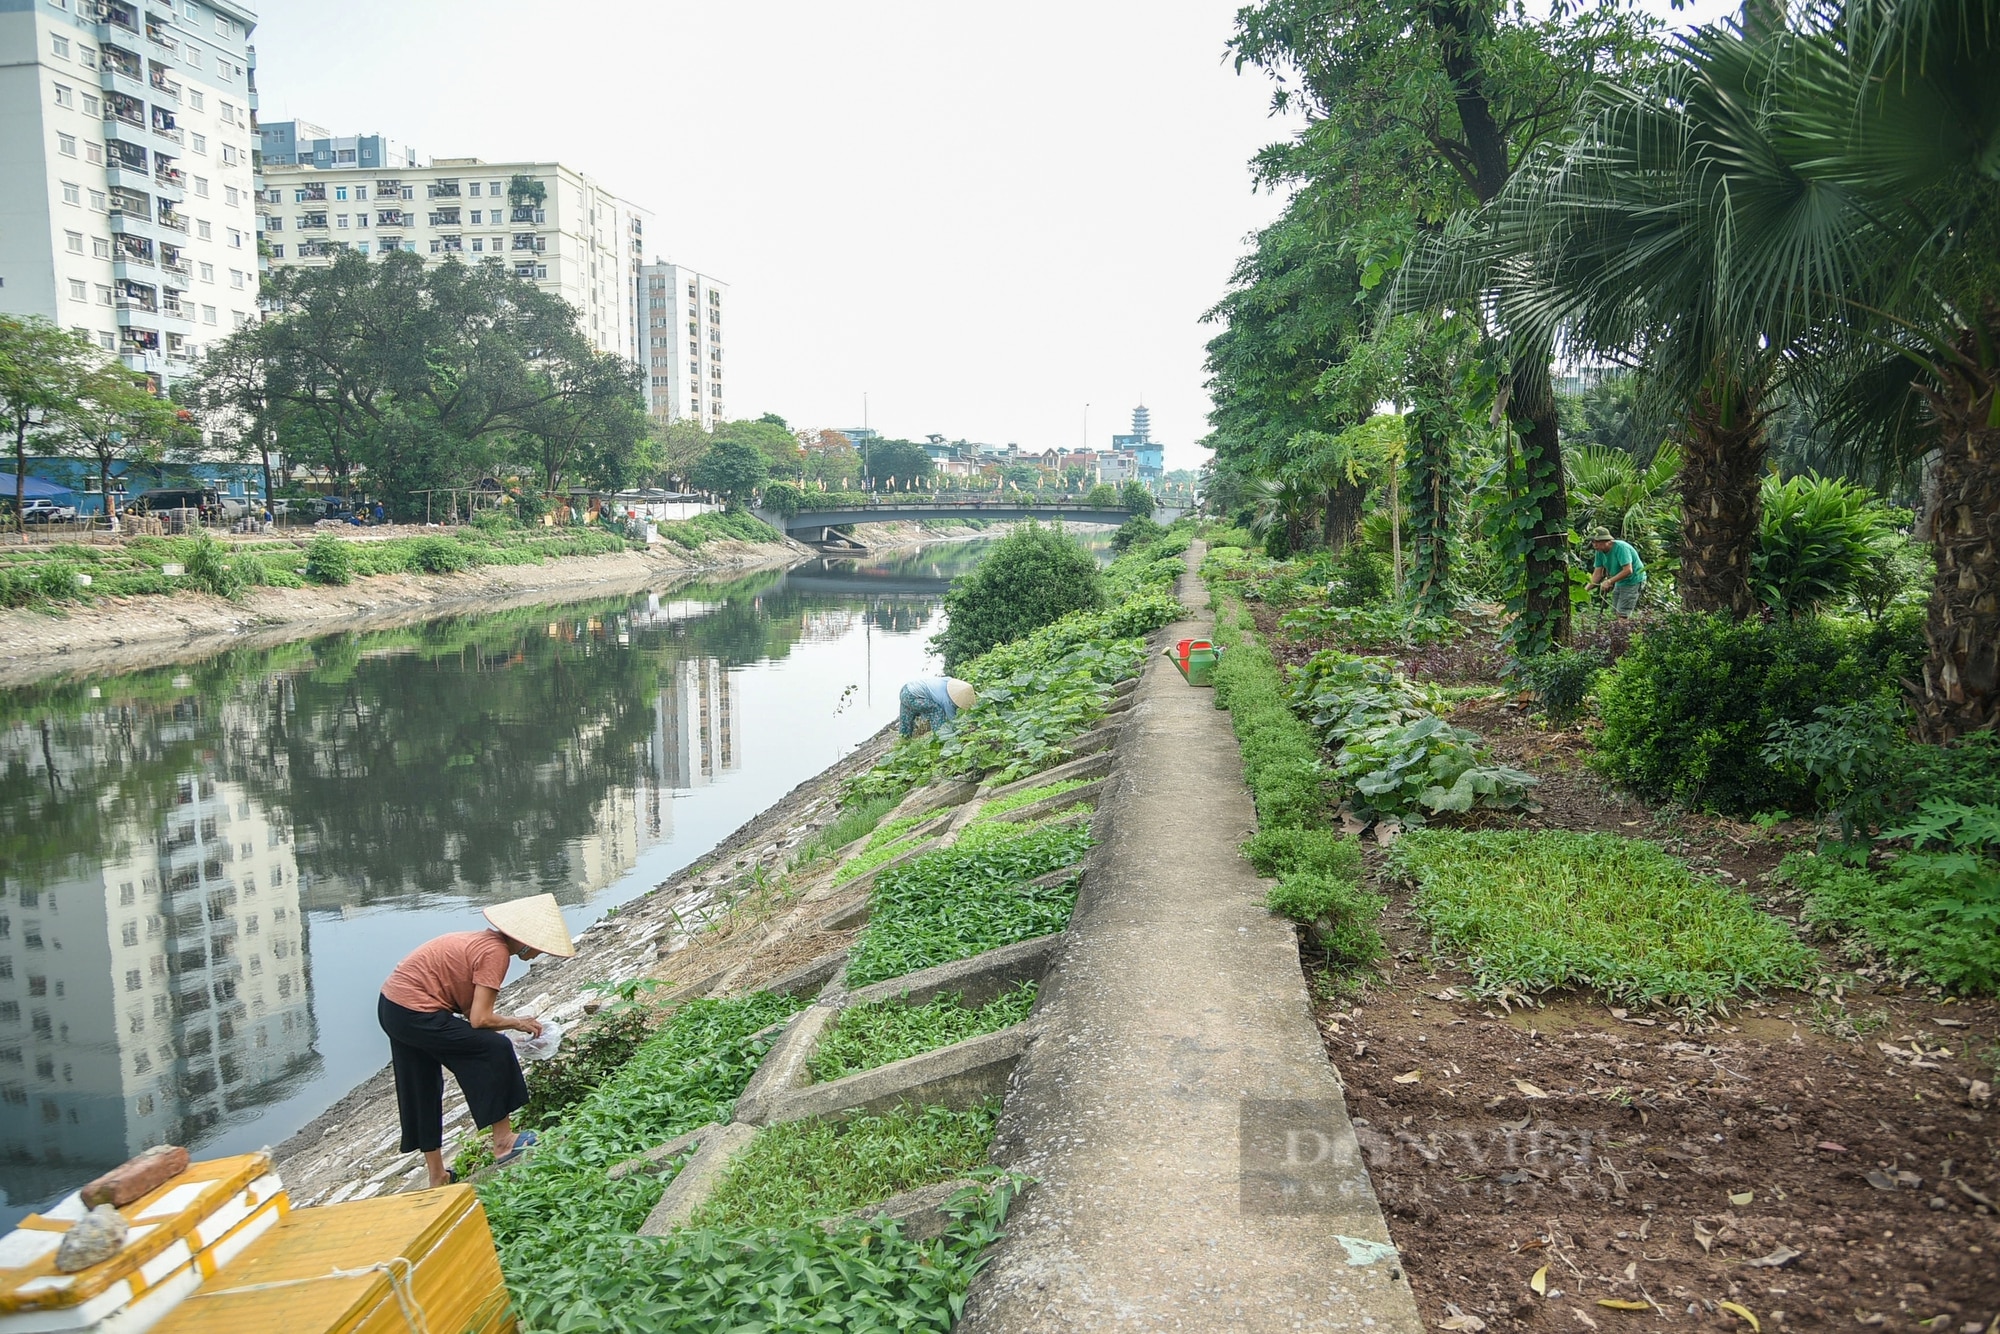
(576, 240)
(127, 200)
(682, 345)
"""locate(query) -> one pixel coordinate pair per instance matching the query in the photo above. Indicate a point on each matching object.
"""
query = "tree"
(679, 447)
(770, 438)
(1135, 497)
(898, 461)
(732, 469)
(829, 459)
(40, 367)
(232, 390)
(1102, 496)
(117, 415)
(590, 427)
(1035, 575)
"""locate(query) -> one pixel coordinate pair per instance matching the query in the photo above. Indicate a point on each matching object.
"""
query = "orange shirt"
(441, 974)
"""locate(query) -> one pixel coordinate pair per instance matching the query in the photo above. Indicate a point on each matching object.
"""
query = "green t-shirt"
(1616, 559)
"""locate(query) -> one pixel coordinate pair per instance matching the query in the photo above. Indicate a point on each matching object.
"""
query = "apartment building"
(681, 305)
(538, 220)
(127, 209)
(300, 143)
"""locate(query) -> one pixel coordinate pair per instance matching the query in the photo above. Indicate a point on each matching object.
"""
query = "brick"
(137, 1177)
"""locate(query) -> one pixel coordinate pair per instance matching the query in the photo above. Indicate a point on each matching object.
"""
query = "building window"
(201, 187)
(208, 314)
(196, 99)
(203, 230)
(87, 56)
(107, 340)
(66, 145)
(77, 291)
(473, 190)
(361, 220)
(477, 217)
(91, 106)
(360, 194)
(208, 273)
(227, 111)
(236, 278)
(221, 26)
(100, 247)
(361, 247)
(229, 155)
(198, 143)
(72, 193)
(235, 239)
(478, 242)
(98, 203)
(64, 96)
(340, 193)
(340, 221)
(74, 240)
(277, 252)
(231, 195)
(59, 45)
(193, 55)
(93, 153)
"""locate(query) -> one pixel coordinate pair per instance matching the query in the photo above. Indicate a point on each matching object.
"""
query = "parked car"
(43, 510)
(330, 507)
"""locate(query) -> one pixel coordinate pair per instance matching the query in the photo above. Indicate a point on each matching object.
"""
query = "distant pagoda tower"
(1142, 423)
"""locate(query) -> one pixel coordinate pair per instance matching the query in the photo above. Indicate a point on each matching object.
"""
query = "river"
(207, 869)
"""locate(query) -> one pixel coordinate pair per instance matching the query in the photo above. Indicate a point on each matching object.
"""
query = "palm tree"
(1285, 506)
(1608, 488)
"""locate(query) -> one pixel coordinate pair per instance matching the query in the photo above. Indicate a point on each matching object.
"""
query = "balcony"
(120, 16)
(169, 133)
(312, 194)
(120, 109)
(170, 184)
(388, 188)
(133, 182)
(312, 222)
(173, 220)
(160, 37)
(444, 217)
(390, 217)
(164, 85)
(120, 83)
(529, 243)
(443, 190)
(528, 213)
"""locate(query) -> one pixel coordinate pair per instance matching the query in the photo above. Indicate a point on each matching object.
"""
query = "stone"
(698, 1179)
(655, 1159)
(976, 980)
(98, 1236)
(137, 1177)
(920, 1211)
(958, 1077)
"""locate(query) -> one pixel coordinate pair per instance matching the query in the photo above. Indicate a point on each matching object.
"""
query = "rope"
(399, 1287)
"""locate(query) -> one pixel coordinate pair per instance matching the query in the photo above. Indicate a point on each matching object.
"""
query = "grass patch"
(702, 529)
(999, 806)
(855, 820)
(800, 1171)
(889, 842)
(866, 1036)
(1534, 911)
(961, 901)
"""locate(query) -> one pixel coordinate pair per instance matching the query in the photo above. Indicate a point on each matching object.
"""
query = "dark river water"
(207, 869)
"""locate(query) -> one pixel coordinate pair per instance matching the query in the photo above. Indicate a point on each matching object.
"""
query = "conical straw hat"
(961, 692)
(536, 922)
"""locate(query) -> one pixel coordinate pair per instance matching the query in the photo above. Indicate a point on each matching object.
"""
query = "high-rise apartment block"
(537, 220)
(682, 306)
(300, 143)
(127, 209)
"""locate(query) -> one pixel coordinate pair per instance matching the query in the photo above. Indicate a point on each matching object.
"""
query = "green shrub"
(209, 569)
(1136, 531)
(1135, 497)
(492, 522)
(438, 555)
(1342, 916)
(1820, 540)
(1845, 757)
(585, 1060)
(1103, 495)
(1561, 680)
(1407, 770)
(1536, 910)
(1686, 711)
(1280, 757)
(1360, 577)
(782, 498)
(1936, 913)
(1321, 852)
(55, 581)
(329, 561)
(739, 525)
(17, 589)
(1033, 576)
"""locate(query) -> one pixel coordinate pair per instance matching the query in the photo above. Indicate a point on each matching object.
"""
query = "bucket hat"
(1600, 534)
(536, 922)
(961, 692)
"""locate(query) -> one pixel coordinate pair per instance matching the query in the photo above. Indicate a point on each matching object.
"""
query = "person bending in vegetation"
(935, 700)
(437, 1008)
(1616, 566)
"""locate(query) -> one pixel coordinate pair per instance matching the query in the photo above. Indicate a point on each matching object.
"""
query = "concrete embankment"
(1195, 1165)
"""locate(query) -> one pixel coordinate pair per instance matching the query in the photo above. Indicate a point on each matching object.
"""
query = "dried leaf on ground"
(1619, 1304)
(1744, 1313)
(1742, 1196)
(1777, 1259)
(1540, 1282)
(1410, 1078)
(1529, 1090)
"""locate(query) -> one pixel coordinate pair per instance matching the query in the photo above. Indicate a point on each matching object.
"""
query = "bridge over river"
(819, 525)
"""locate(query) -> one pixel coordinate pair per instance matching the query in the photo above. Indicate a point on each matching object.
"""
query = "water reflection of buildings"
(695, 742)
(149, 999)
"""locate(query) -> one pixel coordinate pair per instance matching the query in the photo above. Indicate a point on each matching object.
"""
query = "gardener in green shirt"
(1616, 566)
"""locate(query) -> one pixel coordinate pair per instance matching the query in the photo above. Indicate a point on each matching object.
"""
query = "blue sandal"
(522, 1143)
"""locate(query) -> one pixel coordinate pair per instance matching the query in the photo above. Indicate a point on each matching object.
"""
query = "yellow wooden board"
(365, 1267)
(187, 1214)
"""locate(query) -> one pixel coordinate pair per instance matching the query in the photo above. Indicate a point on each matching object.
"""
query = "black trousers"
(423, 1046)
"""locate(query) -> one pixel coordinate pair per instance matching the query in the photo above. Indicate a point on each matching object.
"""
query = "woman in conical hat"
(437, 1008)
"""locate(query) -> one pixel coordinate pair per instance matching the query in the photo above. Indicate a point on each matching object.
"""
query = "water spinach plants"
(867, 1036)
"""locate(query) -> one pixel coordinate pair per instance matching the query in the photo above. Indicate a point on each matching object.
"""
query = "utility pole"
(1086, 426)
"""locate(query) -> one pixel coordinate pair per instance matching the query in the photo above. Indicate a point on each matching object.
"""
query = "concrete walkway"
(1197, 1169)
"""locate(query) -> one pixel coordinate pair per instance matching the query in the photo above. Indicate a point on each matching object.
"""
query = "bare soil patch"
(1819, 1161)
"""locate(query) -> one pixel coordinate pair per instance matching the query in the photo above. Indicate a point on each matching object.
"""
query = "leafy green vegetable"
(999, 806)
(866, 1036)
(1534, 911)
(799, 1171)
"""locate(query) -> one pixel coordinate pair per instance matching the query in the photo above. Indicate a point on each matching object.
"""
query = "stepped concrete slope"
(1195, 1165)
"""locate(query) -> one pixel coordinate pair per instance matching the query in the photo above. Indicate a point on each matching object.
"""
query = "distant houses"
(1132, 456)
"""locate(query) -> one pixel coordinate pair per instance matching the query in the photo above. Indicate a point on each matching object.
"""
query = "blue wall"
(243, 480)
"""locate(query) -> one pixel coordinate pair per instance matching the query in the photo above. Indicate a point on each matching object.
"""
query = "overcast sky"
(982, 218)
